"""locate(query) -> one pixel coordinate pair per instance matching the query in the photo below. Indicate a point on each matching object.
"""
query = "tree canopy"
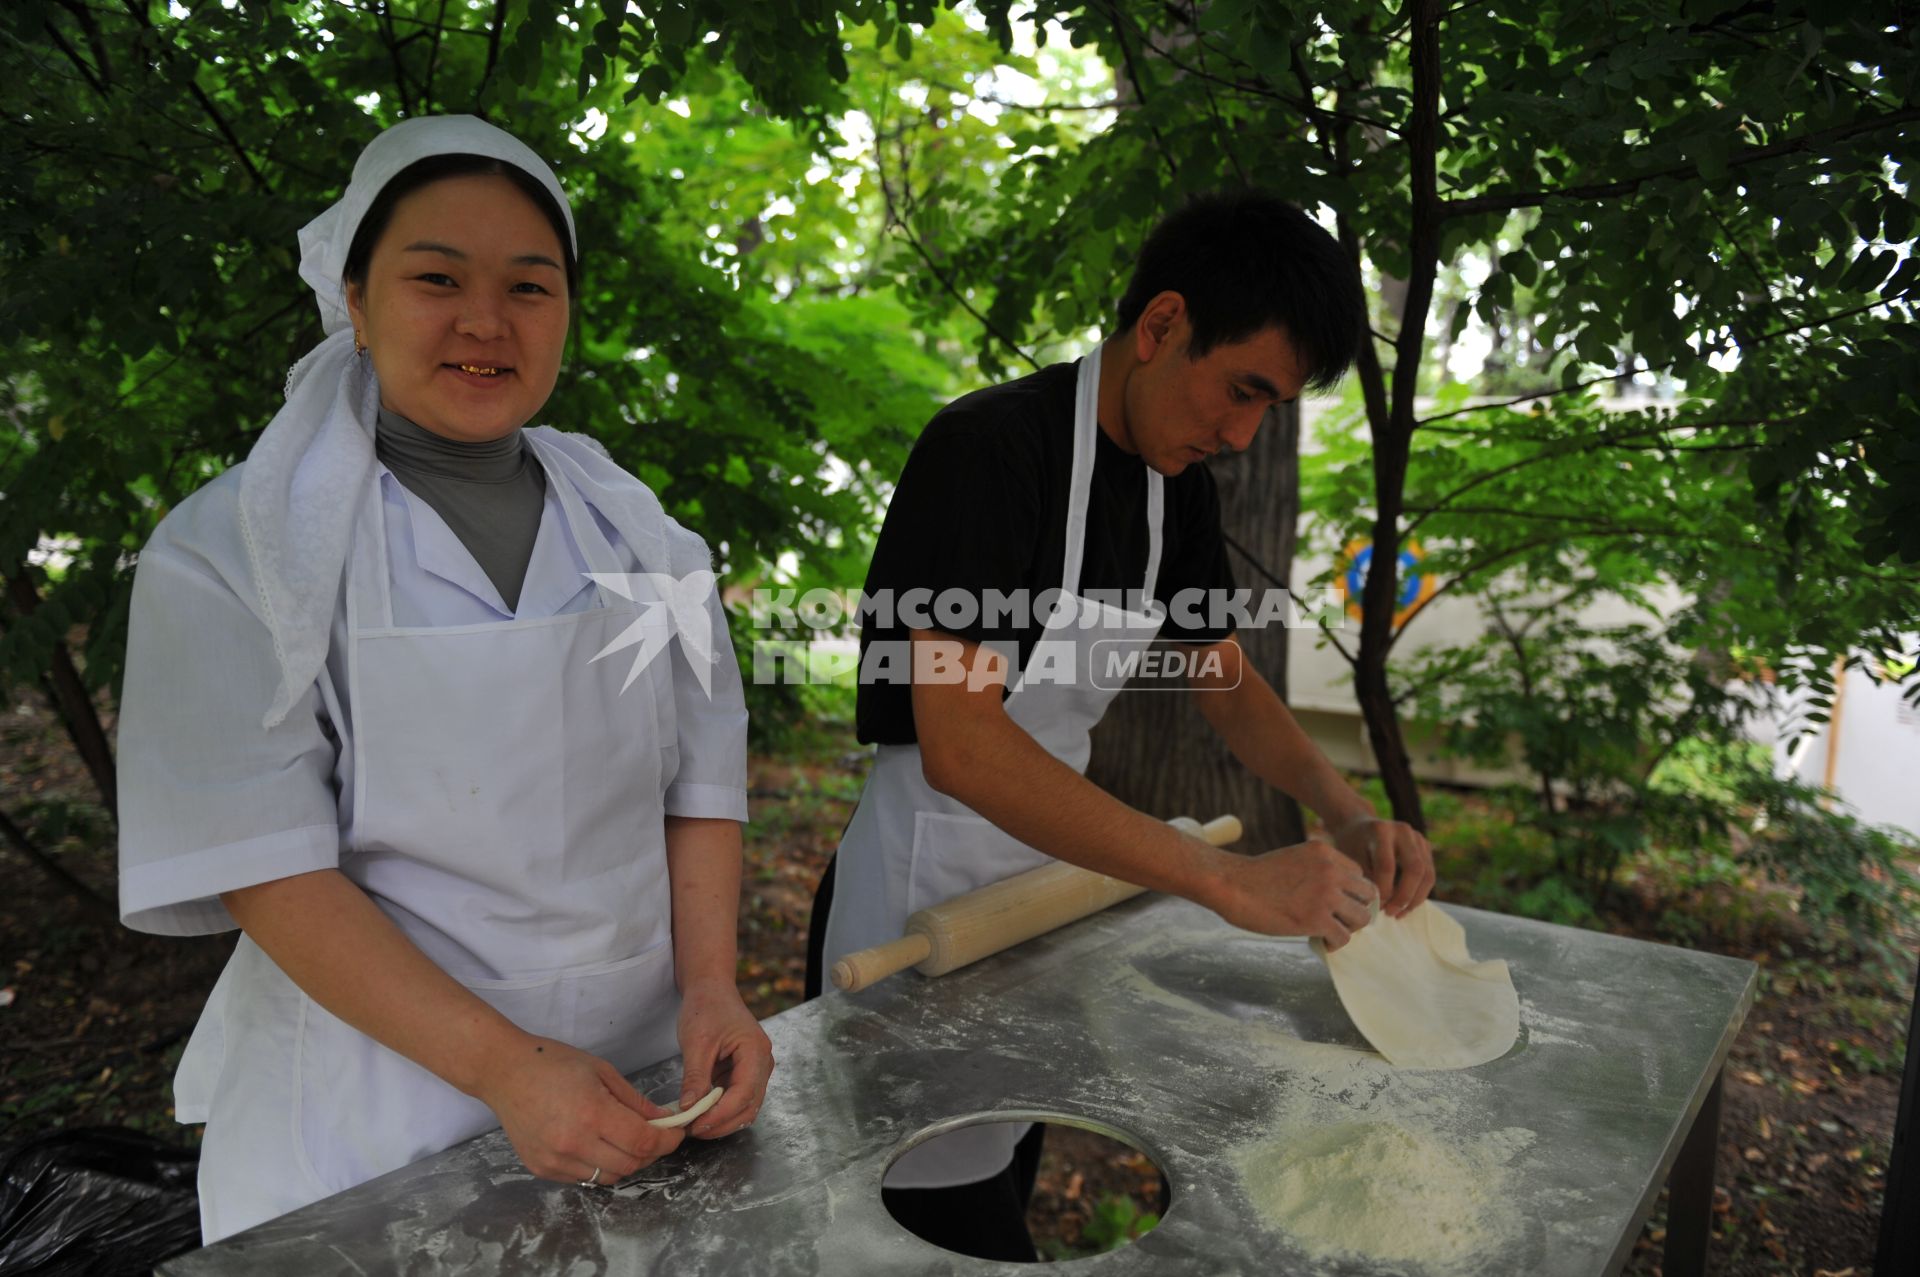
(805, 223)
(1704, 195)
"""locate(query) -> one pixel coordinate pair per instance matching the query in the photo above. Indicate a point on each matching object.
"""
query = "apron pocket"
(626, 1012)
(953, 855)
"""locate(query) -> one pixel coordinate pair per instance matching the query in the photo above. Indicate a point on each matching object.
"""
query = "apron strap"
(1086, 424)
(1086, 432)
(1156, 508)
(369, 584)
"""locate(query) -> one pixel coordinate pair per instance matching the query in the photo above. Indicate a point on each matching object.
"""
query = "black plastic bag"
(97, 1201)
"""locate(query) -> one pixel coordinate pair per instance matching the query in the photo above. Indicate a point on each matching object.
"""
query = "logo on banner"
(1416, 584)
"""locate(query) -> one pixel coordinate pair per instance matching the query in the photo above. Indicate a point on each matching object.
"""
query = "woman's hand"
(722, 1045)
(570, 1115)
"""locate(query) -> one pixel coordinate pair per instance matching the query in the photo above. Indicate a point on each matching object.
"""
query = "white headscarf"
(302, 483)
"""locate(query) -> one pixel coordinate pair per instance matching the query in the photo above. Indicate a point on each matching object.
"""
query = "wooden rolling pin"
(949, 935)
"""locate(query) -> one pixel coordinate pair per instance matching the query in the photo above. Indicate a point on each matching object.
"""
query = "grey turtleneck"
(491, 494)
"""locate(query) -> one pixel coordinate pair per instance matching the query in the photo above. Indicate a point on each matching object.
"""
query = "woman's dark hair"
(433, 169)
(1245, 260)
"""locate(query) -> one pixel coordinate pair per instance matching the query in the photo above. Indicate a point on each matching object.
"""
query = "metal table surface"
(1154, 1021)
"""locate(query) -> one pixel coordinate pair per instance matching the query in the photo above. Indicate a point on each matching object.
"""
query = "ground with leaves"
(93, 1025)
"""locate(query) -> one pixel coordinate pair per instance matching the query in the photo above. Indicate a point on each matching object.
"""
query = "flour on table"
(1387, 1193)
(1349, 1156)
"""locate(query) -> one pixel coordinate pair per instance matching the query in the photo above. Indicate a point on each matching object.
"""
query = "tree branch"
(1373, 378)
(1261, 87)
(493, 46)
(1119, 24)
(1500, 203)
(90, 901)
(1475, 569)
(1540, 516)
(79, 64)
(139, 11)
(1577, 386)
(433, 55)
(95, 40)
(1220, 125)
(1548, 453)
(392, 41)
(893, 219)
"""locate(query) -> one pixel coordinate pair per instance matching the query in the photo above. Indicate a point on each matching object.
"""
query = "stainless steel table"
(1154, 1022)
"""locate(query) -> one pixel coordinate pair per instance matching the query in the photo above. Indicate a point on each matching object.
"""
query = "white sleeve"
(210, 800)
(712, 780)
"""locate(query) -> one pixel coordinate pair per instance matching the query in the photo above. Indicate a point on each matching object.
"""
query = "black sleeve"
(1197, 560)
(964, 517)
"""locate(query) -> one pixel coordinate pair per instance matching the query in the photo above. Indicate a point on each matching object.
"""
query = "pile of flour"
(1387, 1192)
(1351, 1158)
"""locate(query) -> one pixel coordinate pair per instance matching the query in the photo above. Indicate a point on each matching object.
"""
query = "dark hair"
(1244, 260)
(433, 169)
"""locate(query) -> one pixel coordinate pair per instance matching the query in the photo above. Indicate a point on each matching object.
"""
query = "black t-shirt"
(982, 505)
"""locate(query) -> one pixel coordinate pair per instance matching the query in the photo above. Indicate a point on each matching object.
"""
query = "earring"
(358, 347)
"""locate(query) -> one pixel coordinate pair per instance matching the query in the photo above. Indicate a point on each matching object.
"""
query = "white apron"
(909, 846)
(506, 813)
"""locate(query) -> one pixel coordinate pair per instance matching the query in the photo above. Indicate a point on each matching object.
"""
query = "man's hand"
(1395, 855)
(1305, 890)
(571, 1116)
(722, 1045)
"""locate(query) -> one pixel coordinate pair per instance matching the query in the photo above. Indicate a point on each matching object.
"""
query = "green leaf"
(673, 23)
(1522, 266)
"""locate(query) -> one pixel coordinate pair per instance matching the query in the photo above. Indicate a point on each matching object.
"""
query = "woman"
(481, 873)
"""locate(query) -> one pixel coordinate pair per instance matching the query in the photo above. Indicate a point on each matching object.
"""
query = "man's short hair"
(1243, 260)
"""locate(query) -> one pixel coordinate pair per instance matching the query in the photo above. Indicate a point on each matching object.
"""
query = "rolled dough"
(682, 1117)
(1420, 998)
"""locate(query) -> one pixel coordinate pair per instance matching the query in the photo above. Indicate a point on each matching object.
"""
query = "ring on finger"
(593, 1181)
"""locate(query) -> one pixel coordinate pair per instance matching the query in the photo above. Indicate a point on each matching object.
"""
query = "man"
(1083, 483)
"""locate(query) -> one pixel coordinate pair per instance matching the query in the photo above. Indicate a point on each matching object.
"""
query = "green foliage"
(1853, 883)
(1637, 747)
(1710, 201)
(1115, 1221)
(1558, 899)
(1643, 505)
(156, 166)
(806, 223)
(791, 719)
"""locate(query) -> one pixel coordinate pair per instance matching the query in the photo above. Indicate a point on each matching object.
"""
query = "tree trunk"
(96, 907)
(71, 701)
(1393, 429)
(1153, 750)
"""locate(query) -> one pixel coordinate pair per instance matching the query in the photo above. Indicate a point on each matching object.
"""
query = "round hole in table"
(1095, 1189)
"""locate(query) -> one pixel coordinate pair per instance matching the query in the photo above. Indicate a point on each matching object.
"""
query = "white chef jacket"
(211, 801)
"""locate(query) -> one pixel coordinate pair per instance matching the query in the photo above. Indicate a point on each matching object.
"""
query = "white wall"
(1870, 756)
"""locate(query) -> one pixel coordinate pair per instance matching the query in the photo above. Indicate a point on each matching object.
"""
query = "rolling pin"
(949, 935)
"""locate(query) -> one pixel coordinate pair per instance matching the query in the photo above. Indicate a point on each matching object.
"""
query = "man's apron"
(507, 815)
(909, 846)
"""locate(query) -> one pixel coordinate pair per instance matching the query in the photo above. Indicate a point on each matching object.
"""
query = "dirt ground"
(92, 1022)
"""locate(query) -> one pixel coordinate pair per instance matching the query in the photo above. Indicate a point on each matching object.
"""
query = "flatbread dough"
(1420, 998)
(682, 1117)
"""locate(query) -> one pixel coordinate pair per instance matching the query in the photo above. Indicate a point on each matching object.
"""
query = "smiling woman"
(458, 281)
(479, 877)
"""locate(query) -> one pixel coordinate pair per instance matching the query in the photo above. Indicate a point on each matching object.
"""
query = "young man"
(1083, 483)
